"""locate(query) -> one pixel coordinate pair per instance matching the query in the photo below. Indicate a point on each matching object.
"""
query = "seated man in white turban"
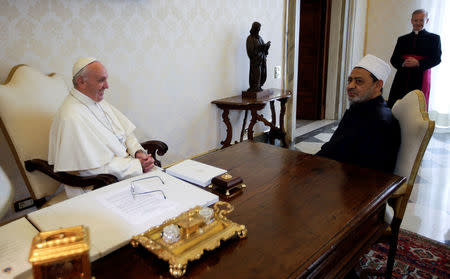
(368, 134)
(90, 136)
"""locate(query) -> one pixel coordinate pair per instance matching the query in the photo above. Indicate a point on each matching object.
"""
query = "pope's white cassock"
(92, 138)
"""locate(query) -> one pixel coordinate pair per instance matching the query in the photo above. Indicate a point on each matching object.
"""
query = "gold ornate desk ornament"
(62, 253)
(185, 237)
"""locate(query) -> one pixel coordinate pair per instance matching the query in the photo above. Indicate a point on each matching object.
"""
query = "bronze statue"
(257, 51)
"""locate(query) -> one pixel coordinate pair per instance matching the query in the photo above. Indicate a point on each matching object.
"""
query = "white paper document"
(15, 244)
(195, 172)
(113, 215)
(140, 208)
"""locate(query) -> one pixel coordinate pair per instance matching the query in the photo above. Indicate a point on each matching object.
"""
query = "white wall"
(167, 59)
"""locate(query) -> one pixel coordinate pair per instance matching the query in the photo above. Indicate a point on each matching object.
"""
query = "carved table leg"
(252, 122)
(274, 122)
(226, 120)
(272, 110)
(243, 125)
(282, 112)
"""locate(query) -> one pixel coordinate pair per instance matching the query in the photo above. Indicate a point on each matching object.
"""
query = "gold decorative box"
(185, 237)
(62, 253)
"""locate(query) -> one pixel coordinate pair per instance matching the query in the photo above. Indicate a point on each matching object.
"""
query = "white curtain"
(439, 106)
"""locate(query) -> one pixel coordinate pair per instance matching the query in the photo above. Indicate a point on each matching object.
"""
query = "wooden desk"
(239, 103)
(307, 217)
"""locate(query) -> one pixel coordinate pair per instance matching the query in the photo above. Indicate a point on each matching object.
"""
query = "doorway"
(313, 58)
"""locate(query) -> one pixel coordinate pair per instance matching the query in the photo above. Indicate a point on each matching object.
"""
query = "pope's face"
(418, 21)
(361, 87)
(95, 82)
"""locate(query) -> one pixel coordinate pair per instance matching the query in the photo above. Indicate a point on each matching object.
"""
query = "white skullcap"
(81, 63)
(376, 66)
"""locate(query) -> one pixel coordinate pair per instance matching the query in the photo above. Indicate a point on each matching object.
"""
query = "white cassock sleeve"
(133, 145)
(122, 168)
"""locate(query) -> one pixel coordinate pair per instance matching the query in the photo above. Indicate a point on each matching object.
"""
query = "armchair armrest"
(155, 147)
(97, 181)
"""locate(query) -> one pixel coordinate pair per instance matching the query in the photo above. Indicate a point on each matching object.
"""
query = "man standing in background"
(414, 56)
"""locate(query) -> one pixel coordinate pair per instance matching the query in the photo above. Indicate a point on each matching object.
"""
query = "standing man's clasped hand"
(411, 62)
(147, 161)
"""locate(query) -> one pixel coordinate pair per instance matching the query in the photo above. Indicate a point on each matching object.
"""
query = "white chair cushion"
(28, 103)
(411, 113)
(6, 193)
(413, 127)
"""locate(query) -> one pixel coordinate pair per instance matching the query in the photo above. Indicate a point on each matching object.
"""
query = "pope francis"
(90, 136)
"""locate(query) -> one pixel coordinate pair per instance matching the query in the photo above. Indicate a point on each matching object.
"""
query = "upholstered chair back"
(416, 131)
(6, 193)
(28, 101)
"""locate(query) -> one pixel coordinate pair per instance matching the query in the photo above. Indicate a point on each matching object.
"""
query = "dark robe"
(426, 47)
(368, 136)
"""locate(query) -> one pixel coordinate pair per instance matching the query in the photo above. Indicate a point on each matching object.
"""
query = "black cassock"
(426, 47)
(368, 136)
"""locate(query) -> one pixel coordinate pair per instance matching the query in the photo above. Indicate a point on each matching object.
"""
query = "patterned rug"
(417, 257)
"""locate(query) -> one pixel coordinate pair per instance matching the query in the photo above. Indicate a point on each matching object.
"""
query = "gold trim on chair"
(406, 191)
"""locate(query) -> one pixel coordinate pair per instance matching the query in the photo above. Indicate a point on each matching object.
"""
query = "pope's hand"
(147, 161)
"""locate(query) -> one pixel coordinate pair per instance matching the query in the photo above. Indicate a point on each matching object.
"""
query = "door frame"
(320, 75)
(341, 57)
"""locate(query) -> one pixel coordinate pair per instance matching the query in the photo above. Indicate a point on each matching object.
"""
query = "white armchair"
(416, 131)
(28, 101)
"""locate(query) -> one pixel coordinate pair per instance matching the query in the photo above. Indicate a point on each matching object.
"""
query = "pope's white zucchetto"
(81, 63)
(376, 66)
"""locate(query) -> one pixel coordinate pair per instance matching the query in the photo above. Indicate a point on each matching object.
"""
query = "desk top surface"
(297, 208)
(238, 100)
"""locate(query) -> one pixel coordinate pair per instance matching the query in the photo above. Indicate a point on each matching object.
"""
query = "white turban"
(376, 66)
(81, 63)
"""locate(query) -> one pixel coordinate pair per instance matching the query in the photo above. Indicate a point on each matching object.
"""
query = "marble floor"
(428, 210)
